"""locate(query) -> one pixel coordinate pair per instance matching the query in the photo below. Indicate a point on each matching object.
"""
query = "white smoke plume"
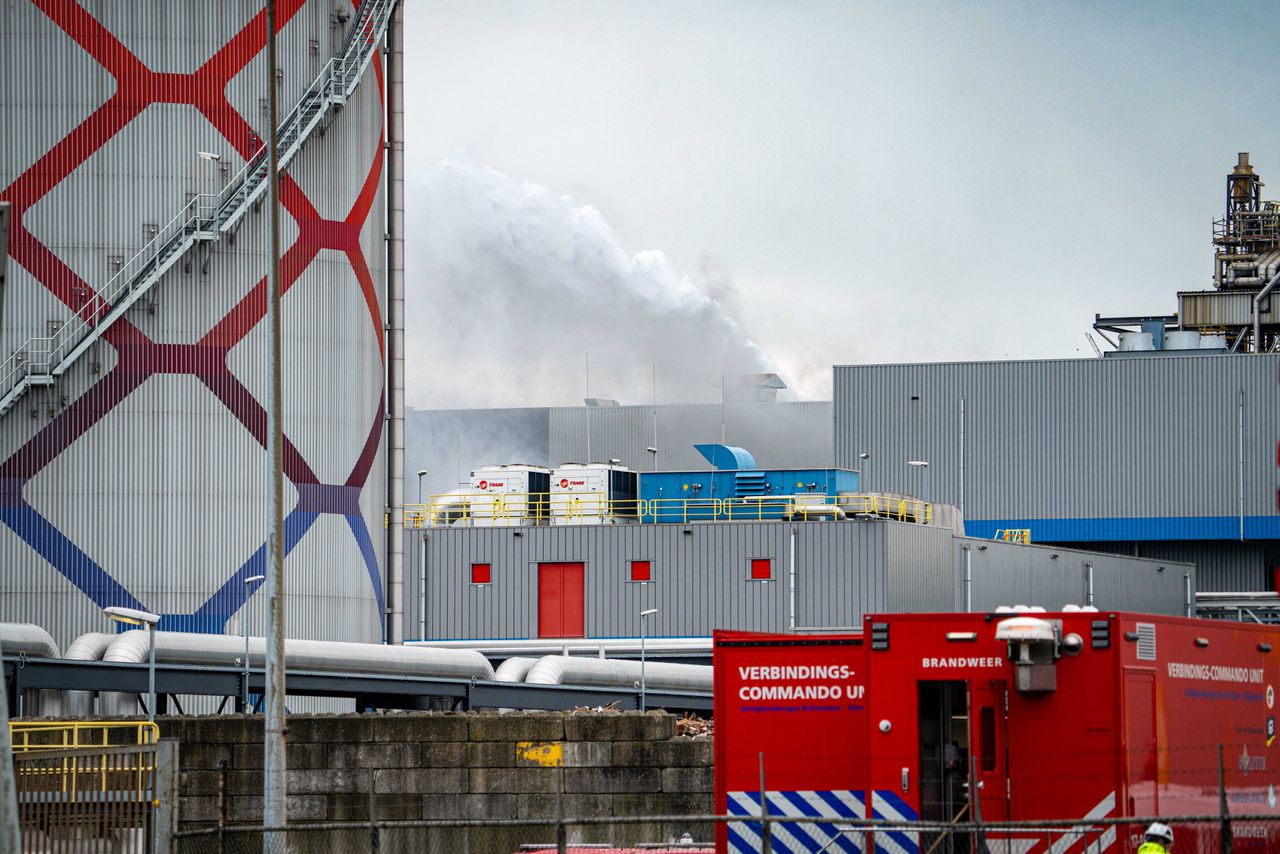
(511, 286)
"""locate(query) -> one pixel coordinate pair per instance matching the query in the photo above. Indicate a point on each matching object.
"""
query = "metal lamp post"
(422, 510)
(244, 690)
(862, 470)
(10, 830)
(922, 464)
(643, 614)
(654, 453)
(133, 617)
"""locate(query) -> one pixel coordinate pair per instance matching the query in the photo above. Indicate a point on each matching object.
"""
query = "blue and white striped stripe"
(888, 806)
(744, 836)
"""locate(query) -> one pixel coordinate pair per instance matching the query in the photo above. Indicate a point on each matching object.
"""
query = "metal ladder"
(204, 219)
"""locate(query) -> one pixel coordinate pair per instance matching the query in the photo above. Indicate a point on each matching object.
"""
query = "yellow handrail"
(1014, 535)
(901, 509)
(576, 508)
(31, 738)
(63, 735)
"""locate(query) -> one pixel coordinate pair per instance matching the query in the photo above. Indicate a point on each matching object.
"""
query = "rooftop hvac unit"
(508, 496)
(593, 494)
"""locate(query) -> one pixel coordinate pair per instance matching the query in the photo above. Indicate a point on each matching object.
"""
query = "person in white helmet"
(1157, 840)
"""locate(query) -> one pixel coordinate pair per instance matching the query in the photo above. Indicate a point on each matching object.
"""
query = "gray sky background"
(739, 186)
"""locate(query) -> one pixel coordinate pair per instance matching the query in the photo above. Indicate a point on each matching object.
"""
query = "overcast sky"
(737, 186)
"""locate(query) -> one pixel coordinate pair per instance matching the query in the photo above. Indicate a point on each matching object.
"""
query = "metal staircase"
(41, 360)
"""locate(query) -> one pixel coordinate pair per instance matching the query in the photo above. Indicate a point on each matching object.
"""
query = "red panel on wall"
(481, 573)
(641, 570)
(761, 569)
(561, 610)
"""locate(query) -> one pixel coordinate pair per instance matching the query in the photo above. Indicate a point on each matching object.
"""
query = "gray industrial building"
(1162, 455)
(1142, 477)
(1165, 455)
(504, 583)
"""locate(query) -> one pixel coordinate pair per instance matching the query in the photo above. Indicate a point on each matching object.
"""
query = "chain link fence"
(651, 834)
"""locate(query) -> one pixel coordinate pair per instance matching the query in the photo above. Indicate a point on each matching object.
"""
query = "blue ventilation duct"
(727, 457)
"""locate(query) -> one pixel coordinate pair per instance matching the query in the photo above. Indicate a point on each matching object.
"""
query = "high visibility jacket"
(1152, 848)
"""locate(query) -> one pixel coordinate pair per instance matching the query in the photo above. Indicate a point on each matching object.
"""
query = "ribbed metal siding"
(1219, 566)
(778, 435)
(920, 568)
(1009, 574)
(842, 573)
(164, 490)
(700, 580)
(1224, 308)
(1068, 439)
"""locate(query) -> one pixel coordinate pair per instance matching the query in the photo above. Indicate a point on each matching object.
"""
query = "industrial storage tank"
(135, 380)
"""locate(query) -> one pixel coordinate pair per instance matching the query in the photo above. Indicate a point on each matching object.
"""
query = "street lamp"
(654, 452)
(133, 617)
(244, 687)
(643, 614)
(862, 471)
(419, 518)
(922, 464)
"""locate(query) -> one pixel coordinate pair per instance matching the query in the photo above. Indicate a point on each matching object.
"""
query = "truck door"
(943, 746)
(1140, 741)
(987, 736)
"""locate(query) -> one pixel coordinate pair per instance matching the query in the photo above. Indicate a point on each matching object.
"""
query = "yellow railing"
(583, 508)
(62, 735)
(1014, 535)
(887, 507)
(100, 769)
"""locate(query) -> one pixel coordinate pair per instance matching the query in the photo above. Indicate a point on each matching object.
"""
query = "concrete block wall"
(465, 766)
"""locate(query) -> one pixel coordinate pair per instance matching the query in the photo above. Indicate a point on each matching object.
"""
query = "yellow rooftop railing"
(1014, 535)
(514, 509)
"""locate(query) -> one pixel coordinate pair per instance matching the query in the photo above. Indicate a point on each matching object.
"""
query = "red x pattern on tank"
(139, 357)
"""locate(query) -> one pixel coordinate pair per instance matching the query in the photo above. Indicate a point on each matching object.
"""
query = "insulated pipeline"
(616, 673)
(328, 656)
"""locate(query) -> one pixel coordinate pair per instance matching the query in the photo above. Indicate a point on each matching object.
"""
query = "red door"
(560, 601)
(987, 733)
(1140, 741)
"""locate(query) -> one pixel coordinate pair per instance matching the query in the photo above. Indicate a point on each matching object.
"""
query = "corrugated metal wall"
(1084, 438)
(921, 568)
(701, 580)
(1048, 576)
(1219, 565)
(139, 478)
(1093, 450)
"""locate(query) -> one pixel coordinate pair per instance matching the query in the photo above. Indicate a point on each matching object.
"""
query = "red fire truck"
(1018, 715)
